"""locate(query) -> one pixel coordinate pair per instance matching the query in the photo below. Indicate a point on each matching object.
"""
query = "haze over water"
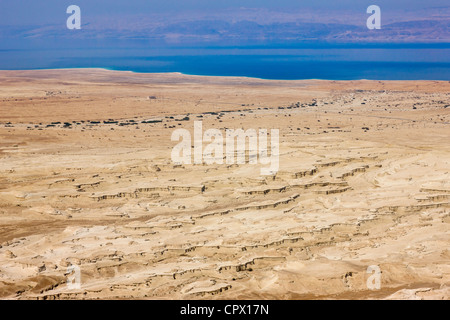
(386, 62)
(272, 40)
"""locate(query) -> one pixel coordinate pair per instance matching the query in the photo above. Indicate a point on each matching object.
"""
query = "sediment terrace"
(86, 179)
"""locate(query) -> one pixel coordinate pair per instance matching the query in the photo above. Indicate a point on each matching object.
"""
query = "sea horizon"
(273, 62)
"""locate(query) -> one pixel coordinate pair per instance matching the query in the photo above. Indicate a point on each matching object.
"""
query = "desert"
(87, 180)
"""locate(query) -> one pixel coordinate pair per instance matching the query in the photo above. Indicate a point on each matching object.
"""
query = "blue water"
(324, 61)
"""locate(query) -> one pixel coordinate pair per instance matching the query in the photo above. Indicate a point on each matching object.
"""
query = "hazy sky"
(24, 12)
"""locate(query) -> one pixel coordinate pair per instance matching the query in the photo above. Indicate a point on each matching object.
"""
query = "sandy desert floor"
(86, 179)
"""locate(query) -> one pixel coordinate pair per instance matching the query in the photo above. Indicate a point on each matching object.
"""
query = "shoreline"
(216, 76)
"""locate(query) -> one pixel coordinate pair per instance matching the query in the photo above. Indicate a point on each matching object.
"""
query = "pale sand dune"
(363, 180)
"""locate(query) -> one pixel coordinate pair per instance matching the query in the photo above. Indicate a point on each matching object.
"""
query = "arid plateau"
(87, 180)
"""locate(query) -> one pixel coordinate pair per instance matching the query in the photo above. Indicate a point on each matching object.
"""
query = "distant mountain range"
(253, 26)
